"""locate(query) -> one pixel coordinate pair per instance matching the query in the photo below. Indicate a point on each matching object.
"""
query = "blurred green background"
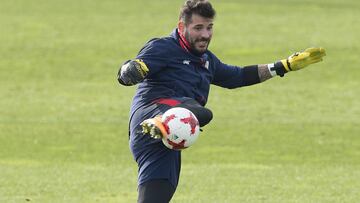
(63, 117)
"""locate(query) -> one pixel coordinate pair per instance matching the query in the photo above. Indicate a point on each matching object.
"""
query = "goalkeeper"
(177, 71)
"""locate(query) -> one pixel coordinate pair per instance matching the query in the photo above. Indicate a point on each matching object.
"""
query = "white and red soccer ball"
(182, 128)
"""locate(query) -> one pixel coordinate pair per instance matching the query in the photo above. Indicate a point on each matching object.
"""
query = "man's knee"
(203, 114)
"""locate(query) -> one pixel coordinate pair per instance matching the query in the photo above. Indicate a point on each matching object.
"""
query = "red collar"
(183, 42)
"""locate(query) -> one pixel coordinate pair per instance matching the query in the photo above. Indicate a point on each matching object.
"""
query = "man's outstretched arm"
(294, 62)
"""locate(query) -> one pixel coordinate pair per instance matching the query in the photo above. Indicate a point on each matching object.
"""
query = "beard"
(194, 42)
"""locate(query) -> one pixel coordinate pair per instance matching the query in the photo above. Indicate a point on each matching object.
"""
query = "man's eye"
(198, 28)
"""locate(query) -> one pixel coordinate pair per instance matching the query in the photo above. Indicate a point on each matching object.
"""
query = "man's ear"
(181, 26)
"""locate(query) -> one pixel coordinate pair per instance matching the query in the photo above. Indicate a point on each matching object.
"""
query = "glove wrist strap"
(272, 69)
(286, 64)
(277, 68)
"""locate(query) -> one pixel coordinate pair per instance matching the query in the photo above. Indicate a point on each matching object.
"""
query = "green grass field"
(63, 117)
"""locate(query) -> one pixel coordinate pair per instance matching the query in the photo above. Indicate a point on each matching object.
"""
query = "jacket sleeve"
(153, 54)
(229, 76)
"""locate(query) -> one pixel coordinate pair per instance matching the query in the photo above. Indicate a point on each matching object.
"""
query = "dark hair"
(199, 7)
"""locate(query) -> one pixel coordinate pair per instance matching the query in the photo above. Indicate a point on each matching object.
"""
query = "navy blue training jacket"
(175, 72)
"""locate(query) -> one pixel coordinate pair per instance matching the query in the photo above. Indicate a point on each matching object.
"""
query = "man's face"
(198, 33)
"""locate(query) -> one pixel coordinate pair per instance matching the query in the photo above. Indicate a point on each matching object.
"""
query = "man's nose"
(206, 34)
